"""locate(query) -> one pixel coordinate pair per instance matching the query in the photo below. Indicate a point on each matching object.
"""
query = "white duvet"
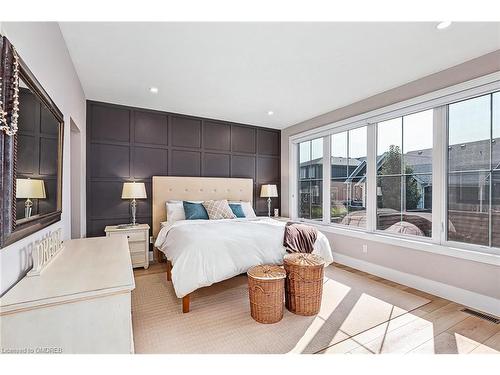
(204, 252)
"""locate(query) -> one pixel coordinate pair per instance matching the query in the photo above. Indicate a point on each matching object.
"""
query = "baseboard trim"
(465, 297)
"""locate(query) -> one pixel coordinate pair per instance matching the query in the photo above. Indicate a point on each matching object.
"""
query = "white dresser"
(138, 242)
(81, 303)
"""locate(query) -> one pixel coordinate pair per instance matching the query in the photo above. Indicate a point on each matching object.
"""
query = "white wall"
(42, 47)
(77, 183)
(478, 283)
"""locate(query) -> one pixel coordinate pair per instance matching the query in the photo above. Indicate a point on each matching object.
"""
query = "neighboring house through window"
(404, 174)
(474, 170)
(311, 179)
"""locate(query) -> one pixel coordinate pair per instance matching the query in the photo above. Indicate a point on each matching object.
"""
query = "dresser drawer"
(138, 242)
(137, 247)
(138, 258)
(131, 236)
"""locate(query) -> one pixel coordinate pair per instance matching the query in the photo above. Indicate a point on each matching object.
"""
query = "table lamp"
(268, 191)
(133, 191)
(29, 189)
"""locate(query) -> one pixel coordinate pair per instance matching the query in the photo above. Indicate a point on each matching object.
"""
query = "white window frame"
(437, 101)
(444, 208)
(435, 146)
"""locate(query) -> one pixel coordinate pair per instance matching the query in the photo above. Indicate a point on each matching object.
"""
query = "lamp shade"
(134, 190)
(28, 188)
(268, 191)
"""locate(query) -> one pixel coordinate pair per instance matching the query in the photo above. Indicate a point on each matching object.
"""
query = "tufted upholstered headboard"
(196, 188)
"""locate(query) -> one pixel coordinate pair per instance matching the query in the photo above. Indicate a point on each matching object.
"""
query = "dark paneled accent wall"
(133, 144)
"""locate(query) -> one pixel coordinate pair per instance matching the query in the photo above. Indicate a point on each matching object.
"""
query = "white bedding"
(204, 252)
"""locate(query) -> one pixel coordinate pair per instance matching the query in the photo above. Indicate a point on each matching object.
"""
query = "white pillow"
(178, 201)
(175, 211)
(247, 209)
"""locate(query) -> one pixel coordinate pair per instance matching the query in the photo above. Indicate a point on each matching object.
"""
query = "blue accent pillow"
(194, 211)
(237, 209)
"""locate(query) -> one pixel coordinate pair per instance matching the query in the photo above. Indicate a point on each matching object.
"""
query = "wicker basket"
(304, 283)
(266, 288)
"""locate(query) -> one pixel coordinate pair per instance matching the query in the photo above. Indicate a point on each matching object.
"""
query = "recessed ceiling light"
(153, 90)
(443, 25)
(270, 113)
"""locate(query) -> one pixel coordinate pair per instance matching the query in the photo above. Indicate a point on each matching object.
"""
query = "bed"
(202, 252)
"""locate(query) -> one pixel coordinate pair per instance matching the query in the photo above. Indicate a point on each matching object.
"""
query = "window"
(348, 178)
(310, 200)
(474, 171)
(428, 171)
(404, 174)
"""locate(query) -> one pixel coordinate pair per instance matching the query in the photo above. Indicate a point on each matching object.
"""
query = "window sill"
(421, 245)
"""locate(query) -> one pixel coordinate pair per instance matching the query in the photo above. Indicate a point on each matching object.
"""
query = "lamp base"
(133, 206)
(27, 208)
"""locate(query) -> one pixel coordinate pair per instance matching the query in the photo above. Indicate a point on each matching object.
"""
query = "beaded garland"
(11, 129)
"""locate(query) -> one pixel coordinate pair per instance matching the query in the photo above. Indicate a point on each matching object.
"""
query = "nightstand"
(281, 218)
(138, 242)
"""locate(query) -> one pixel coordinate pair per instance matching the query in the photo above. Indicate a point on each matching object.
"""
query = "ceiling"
(240, 71)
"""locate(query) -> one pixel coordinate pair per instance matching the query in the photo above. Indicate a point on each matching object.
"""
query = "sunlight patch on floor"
(372, 334)
(368, 312)
(342, 347)
(401, 340)
(308, 336)
(446, 343)
(333, 293)
(364, 318)
(490, 346)
(484, 349)
(465, 344)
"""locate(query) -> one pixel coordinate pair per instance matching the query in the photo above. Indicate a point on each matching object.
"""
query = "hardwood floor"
(439, 327)
(153, 268)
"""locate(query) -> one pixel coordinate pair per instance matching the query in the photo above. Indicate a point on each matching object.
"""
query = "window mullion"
(439, 174)
(326, 178)
(371, 178)
(490, 198)
(294, 181)
(310, 180)
(403, 172)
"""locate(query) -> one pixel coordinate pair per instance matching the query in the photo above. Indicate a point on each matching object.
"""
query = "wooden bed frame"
(167, 188)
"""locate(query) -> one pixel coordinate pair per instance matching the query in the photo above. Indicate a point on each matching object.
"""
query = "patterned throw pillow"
(218, 210)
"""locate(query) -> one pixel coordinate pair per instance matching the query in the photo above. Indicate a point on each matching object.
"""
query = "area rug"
(220, 322)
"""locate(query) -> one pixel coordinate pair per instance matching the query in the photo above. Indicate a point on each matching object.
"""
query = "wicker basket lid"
(303, 259)
(267, 272)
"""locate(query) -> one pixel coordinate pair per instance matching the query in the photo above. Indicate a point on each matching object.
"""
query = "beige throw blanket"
(299, 238)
